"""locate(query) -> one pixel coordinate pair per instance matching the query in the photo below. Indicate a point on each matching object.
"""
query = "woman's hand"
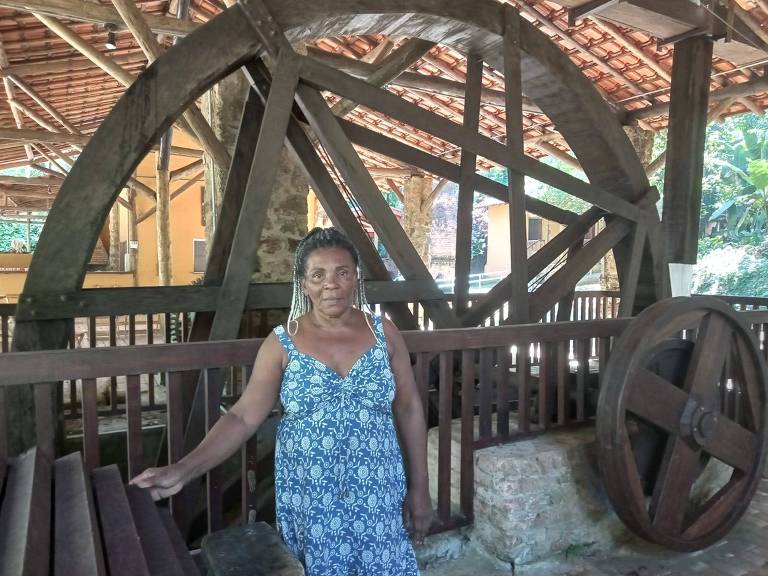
(161, 482)
(417, 514)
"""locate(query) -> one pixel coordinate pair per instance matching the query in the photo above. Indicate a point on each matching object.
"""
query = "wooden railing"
(494, 385)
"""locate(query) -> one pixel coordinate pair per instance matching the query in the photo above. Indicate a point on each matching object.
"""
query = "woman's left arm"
(412, 430)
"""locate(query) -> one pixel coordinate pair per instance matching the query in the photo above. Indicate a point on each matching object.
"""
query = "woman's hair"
(315, 239)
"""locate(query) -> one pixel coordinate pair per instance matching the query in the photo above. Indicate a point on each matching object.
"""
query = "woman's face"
(329, 280)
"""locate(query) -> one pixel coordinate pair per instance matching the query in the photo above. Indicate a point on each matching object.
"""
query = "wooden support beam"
(234, 290)
(538, 261)
(629, 283)
(390, 68)
(395, 189)
(343, 154)
(685, 148)
(513, 88)
(11, 96)
(43, 104)
(329, 79)
(98, 14)
(447, 170)
(60, 66)
(562, 281)
(439, 187)
(589, 9)
(192, 169)
(467, 169)
(417, 81)
(31, 181)
(163, 212)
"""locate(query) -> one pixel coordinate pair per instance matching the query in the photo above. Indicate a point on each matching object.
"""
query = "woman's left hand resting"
(417, 514)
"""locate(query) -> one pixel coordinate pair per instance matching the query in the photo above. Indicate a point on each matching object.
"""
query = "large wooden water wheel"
(669, 407)
(289, 108)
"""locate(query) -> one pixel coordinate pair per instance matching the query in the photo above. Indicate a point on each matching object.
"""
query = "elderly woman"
(345, 497)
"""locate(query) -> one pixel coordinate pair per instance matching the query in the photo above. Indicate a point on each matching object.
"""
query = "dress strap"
(378, 328)
(285, 340)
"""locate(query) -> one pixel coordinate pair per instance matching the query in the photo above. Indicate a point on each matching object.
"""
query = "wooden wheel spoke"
(750, 381)
(657, 401)
(673, 486)
(716, 507)
(708, 358)
(733, 444)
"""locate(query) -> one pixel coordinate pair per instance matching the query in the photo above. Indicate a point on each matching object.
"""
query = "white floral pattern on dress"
(339, 476)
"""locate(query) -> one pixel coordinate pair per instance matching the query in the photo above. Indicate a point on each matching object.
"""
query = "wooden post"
(114, 238)
(518, 302)
(162, 215)
(685, 148)
(467, 185)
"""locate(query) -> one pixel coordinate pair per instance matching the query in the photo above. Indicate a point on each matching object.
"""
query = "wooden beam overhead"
(589, 9)
(98, 14)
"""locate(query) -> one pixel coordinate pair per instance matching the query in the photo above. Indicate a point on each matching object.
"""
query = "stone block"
(251, 550)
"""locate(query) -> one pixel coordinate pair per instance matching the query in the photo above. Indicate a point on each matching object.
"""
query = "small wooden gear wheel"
(708, 408)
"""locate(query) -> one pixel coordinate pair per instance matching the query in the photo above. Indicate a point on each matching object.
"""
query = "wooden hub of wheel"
(684, 389)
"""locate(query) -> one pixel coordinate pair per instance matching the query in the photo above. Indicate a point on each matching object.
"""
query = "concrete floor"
(743, 552)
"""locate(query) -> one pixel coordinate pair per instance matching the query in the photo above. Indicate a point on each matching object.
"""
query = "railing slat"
(90, 420)
(4, 335)
(502, 418)
(421, 375)
(486, 394)
(582, 374)
(523, 389)
(214, 484)
(444, 435)
(467, 482)
(543, 388)
(562, 383)
(175, 435)
(134, 433)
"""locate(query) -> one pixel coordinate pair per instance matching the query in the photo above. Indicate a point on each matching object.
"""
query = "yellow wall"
(498, 236)
(12, 283)
(186, 221)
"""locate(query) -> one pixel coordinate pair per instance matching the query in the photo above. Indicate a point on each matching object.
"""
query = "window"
(198, 255)
(534, 228)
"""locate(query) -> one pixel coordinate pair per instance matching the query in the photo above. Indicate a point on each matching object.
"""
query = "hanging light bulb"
(111, 42)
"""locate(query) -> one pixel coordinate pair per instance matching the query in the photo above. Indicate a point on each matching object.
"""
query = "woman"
(344, 498)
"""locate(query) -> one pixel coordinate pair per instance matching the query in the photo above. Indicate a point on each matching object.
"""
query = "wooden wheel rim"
(664, 522)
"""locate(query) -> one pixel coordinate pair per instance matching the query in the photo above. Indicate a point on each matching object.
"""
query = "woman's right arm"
(230, 431)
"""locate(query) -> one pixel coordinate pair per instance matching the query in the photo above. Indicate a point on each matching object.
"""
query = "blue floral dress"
(339, 476)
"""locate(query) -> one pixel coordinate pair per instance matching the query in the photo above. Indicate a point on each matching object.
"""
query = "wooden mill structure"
(301, 98)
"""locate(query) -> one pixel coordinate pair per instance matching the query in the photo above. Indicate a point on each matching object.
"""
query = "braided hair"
(315, 239)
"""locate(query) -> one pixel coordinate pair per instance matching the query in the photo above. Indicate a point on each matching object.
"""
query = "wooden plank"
(513, 89)
(418, 158)
(4, 333)
(421, 375)
(326, 78)
(444, 437)
(467, 480)
(574, 269)
(90, 422)
(685, 148)
(25, 516)
(122, 545)
(159, 299)
(134, 432)
(77, 543)
(3, 424)
(463, 250)
(155, 542)
(345, 158)
(188, 566)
